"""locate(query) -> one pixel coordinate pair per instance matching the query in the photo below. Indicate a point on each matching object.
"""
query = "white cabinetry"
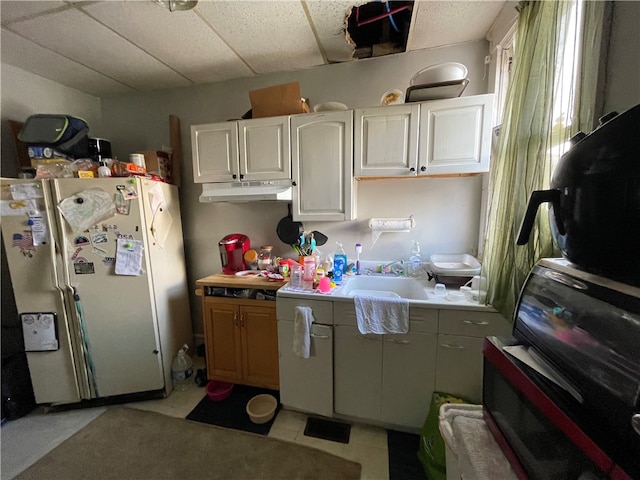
(244, 150)
(386, 141)
(387, 378)
(460, 337)
(322, 158)
(306, 383)
(455, 135)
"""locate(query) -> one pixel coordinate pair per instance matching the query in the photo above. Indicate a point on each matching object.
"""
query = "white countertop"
(433, 301)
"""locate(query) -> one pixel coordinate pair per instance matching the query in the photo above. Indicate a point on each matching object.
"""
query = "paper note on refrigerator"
(129, 257)
(39, 331)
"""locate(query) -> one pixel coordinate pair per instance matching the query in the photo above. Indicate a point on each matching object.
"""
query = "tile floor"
(25, 440)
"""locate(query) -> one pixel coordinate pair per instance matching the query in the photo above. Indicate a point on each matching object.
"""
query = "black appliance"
(595, 199)
(583, 420)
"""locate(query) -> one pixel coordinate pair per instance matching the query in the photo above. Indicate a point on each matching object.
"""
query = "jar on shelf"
(264, 257)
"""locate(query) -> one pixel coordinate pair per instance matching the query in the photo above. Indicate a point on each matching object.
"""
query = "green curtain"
(532, 133)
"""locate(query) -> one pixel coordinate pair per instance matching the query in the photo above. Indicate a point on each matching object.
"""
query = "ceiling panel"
(33, 58)
(329, 19)
(200, 55)
(437, 23)
(100, 49)
(279, 28)
(115, 46)
(14, 10)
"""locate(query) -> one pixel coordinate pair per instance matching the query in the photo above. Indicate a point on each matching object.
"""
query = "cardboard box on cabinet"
(159, 163)
(284, 99)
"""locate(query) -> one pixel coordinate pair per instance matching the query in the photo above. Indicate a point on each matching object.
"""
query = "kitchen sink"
(381, 286)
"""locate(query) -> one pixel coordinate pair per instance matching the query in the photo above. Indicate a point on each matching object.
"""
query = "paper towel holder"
(395, 225)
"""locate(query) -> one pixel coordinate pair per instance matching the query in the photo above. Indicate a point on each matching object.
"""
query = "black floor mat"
(231, 412)
(327, 430)
(403, 456)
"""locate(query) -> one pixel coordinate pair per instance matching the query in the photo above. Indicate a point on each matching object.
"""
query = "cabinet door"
(358, 373)
(455, 135)
(408, 378)
(386, 141)
(322, 164)
(222, 341)
(265, 149)
(259, 346)
(307, 383)
(215, 152)
(459, 367)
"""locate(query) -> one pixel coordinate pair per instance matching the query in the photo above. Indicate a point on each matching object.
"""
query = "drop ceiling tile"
(181, 39)
(271, 36)
(437, 23)
(32, 58)
(13, 10)
(100, 49)
(330, 20)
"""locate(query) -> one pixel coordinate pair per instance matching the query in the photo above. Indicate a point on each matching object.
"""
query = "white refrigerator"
(98, 273)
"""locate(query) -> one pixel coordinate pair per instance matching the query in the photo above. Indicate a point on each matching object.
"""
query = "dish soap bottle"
(339, 263)
(415, 260)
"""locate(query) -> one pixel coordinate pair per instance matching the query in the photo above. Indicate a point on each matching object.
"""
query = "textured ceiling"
(107, 48)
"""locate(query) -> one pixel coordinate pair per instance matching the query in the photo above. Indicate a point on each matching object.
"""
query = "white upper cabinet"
(455, 135)
(386, 141)
(244, 150)
(322, 161)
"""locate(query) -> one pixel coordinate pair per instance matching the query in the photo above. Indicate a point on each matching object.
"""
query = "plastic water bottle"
(339, 263)
(415, 260)
(182, 369)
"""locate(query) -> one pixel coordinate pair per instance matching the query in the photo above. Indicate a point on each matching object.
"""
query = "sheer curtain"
(538, 120)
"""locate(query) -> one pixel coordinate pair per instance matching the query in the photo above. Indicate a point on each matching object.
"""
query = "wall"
(25, 94)
(446, 210)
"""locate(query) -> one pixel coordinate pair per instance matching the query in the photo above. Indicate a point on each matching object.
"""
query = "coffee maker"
(232, 248)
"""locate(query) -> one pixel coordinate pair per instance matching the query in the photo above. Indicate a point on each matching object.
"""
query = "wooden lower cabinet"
(241, 341)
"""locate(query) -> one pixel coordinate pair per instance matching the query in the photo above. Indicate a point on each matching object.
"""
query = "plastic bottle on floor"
(182, 369)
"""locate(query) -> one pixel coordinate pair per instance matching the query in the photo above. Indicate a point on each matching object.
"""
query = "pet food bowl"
(261, 408)
(218, 391)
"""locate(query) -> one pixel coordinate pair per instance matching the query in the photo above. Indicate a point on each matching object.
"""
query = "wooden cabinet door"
(214, 149)
(322, 165)
(264, 149)
(222, 340)
(408, 378)
(259, 345)
(386, 141)
(455, 135)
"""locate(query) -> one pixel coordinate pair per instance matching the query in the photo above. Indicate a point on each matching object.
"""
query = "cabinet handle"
(294, 183)
(457, 347)
(235, 320)
(412, 169)
(241, 176)
(362, 337)
(234, 176)
(319, 336)
(400, 342)
(242, 320)
(479, 324)
(423, 168)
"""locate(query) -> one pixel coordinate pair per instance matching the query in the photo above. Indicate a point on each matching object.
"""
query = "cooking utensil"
(320, 238)
(288, 231)
(595, 204)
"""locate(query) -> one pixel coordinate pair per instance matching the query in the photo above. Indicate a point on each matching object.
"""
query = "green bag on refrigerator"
(431, 451)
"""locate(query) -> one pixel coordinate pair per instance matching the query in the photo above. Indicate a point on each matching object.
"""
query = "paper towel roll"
(381, 225)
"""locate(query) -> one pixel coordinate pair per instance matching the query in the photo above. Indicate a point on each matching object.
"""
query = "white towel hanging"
(302, 320)
(382, 315)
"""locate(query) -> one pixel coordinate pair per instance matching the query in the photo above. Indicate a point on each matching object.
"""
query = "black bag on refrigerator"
(50, 135)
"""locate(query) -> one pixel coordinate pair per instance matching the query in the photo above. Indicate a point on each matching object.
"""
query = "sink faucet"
(396, 267)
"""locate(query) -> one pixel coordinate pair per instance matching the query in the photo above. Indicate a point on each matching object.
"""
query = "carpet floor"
(125, 443)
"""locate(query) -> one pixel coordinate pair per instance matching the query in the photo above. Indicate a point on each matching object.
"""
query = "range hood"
(246, 191)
